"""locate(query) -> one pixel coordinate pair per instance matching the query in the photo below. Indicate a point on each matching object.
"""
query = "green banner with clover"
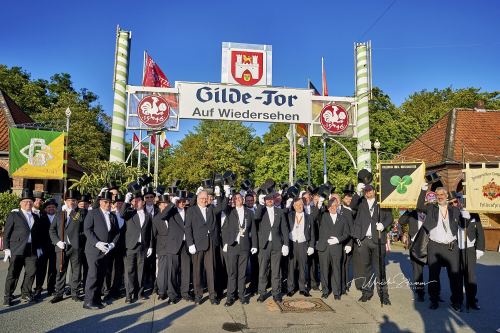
(400, 184)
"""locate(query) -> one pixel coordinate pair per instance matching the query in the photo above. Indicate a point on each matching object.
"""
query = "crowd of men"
(176, 244)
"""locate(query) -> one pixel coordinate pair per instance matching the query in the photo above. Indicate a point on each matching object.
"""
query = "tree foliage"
(8, 201)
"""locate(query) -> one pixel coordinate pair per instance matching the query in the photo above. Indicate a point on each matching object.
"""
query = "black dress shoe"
(290, 293)
(56, 299)
(229, 302)
(174, 300)
(305, 293)
(76, 298)
(215, 301)
(336, 297)
(278, 298)
(324, 295)
(364, 298)
(89, 306)
(162, 297)
(434, 305)
(261, 299)
(197, 300)
(244, 300)
(7, 301)
(315, 288)
(50, 293)
(386, 301)
(188, 298)
(457, 307)
(474, 306)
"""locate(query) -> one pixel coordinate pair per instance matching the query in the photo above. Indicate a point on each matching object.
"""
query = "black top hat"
(50, 202)
(246, 184)
(163, 198)
(349, 188)
(134, 187)
(172, 190)
(284, 186)
(292, 192)
(85, 198)
(161, 189)
(432, 177)
(299, 183)
(267, 187)
(149, 190)
(144, 180)
(38, 195)
(229, 177)
(218, 180)
(270, 196)
(119, 198)
(182, 194)
(365, 176)
(106, 196)
(324, 190)
(207, 183)
(72, 194)
(113, 186)
(176, 182)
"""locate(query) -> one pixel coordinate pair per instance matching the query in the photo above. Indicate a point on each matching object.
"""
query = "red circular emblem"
(334, 118)
(153, 110)
(431, 196)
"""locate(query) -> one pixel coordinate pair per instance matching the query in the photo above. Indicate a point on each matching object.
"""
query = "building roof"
(11, 115)
(469, 134)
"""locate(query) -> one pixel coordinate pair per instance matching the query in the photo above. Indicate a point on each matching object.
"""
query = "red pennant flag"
(143, 148)
(153, 75)
(153, 139)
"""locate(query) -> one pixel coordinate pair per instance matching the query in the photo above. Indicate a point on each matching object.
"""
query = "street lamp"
(376, 145)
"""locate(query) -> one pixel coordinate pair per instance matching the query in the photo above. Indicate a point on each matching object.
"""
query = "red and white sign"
(431, 196)
(153, 110)
(247, 67)
(334, 119)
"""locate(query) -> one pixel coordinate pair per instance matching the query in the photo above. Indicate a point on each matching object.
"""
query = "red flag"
(153, 75)
(142, 147)
(323, 75)
(153, 139)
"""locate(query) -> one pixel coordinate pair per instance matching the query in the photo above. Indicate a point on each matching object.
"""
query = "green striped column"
(117, 148)
(362, 96)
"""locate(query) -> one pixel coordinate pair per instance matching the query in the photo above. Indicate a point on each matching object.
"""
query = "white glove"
(360, 187)
(379, 226)
(61, 245)
(149, 253)
(174, 200)
(111, 246)
(321, 201)
(261, 199)
(192, 249)
(224, 249)
(217, 191)
(15, 210)
(253, 250)
(39, 253)
(465, 214)
(289, 202)
(227, 189)
(425, 187)
(333, 240)
(104, 189)
(310, 251)
(479, 254)
(348, 249)
(6, 255)
(128, 197)
(199, 190)
(284, 250)
(103, 247)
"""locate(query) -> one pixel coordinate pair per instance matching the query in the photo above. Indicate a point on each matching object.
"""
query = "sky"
(416, 44)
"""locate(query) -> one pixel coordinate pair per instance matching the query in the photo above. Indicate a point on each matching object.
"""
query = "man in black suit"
(313, 260)
(46, 265)
(22, 246)
(254, 258)
(273, 243)
(370, 221)
(138, 223)
(303, 240)
(102, 234)
(202, 237)
(239, 236)
(67, 247)
(415, 220)
(333, 231)
(347, 245)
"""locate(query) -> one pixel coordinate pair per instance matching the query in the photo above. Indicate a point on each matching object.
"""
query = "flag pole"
(139, 149)
(149, 155)
(157, 143)
(309, 154)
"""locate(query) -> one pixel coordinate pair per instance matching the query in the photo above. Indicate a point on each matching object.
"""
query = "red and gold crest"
(491, 190)
(247, 67)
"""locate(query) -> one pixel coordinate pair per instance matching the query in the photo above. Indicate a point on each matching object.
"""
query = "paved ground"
(404, 315)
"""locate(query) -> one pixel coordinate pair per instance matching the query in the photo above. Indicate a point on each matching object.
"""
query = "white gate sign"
(242, 103)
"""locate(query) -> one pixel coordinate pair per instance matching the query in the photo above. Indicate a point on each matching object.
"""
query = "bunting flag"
(36, 153)
(400, 184)
(323, 78)
(142, 148)
(154, 77)
(163, 140)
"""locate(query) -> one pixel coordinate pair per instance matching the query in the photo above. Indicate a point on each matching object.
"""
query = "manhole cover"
(299, 305)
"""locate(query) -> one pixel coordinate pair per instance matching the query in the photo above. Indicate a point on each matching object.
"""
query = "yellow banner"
(482, 189)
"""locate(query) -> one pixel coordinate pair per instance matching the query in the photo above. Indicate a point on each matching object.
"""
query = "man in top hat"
(66, 232)
(273, 243)
(250, 198)
(347, 211)
(151, 208)
(22, 246)
(46, 264)
(313, 260)
(303, 240)
(239, 238)
(84, 202)
(369, 222)
(38, 202)
(114, 273)
(101, 230)
(138, 223)
(475, 249)
(84, 206)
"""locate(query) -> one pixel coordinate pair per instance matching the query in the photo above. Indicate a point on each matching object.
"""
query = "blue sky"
(417, 45)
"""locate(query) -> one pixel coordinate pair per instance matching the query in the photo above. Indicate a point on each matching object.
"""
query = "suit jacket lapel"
(20, 213)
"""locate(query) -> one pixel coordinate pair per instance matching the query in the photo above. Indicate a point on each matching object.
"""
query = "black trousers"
(369, 257)
(113, 281)
(313, 265)
(470, 280)
(297, 260)
(440, 255)
(221, 273)
(204, 260)
(135, 270)
(357, 267)
(70, 255)
(186, 268)
(28, 260)
(270, 260)
(418, 275)
(237, 260)
(346, 262)
(330, 262)
(46, 267)
(254, 273)
(95, 277)
(167, 279)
